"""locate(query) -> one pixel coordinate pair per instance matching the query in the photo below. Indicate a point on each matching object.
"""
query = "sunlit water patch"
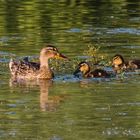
(122, 132)
(131, 47)
(134, 31)
(77, 30)
(135, 19)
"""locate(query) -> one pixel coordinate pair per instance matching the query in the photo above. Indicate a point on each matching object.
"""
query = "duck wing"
(100, 73)
(23, 68)
(134, 64)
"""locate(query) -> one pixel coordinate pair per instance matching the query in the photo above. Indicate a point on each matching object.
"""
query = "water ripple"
(77, 30)
(124, 31)
(120, 131)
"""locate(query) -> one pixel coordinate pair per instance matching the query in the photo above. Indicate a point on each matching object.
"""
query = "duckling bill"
(84, 68)
(32, 70)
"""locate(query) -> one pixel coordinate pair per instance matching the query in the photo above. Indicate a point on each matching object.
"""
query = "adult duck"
(119, 64)
(32, 70)
(85, 69)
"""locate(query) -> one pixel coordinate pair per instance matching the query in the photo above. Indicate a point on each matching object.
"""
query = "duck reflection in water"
(47, 103)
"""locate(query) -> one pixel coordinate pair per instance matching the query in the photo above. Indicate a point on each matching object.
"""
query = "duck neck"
(45, 72)
(44, 62)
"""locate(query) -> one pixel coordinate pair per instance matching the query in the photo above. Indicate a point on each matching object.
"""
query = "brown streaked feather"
(99, 73)
(45, 73)
(24, 69)
(134, 64)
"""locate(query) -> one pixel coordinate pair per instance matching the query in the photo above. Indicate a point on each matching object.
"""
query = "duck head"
(117, 60)
(83, 67)
(50, 51)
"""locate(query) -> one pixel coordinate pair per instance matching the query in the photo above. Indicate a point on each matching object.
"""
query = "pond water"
(68, 108)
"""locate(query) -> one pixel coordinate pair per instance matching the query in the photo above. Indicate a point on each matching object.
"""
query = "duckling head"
(83, 67)
(117, 60)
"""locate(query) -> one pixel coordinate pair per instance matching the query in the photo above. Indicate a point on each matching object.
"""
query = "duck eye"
(54, 49)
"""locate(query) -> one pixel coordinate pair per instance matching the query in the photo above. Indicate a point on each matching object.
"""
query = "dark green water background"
(69, 109)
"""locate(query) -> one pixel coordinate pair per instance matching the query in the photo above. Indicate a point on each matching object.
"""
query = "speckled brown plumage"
(24, 69)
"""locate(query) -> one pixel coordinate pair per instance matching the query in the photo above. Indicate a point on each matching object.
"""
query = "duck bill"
(61, 56)
(76, 71)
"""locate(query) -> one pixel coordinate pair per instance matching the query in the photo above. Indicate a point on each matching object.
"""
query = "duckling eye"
(115, 58)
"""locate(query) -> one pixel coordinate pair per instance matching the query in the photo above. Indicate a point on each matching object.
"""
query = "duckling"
(84, 68)
(119, 64)
(32, 70)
